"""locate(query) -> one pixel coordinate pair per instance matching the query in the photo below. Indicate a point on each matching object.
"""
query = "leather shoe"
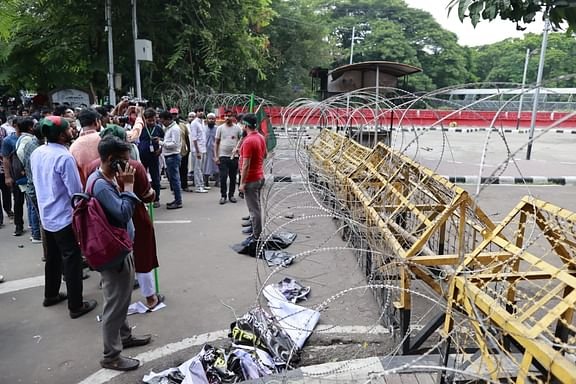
(173, 205)
(247, 230)
(247, 223)
(86, 307)
(50, 301)
(136, 341)
(245, 217)
(120, 363)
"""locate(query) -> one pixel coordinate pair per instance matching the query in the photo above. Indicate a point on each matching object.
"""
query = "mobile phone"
(118, 165)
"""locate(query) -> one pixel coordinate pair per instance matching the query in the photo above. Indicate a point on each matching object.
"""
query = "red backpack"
(103, 245)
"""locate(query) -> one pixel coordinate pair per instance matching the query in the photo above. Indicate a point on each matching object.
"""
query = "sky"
(486, 32)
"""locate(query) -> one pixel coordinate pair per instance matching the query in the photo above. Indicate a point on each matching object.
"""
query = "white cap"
(192, 114)
(210, 116)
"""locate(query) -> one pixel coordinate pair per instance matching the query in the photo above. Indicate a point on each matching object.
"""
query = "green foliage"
(504, 61)
(262, 46)
(519, 11)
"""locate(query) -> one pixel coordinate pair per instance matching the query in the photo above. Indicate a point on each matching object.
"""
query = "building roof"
(389, 67)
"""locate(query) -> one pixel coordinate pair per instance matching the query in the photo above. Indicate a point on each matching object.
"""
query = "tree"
(47, 44)
(519, 11)
(296, 45)
(391, 31)
(504, 61)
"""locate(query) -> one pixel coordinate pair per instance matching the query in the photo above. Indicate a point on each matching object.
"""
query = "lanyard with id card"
(150, 135)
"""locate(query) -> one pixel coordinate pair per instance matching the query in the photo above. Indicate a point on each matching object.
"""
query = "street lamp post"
(523, 85)
(108, 16)
(538, 84)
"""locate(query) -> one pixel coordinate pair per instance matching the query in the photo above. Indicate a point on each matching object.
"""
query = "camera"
(123, 120)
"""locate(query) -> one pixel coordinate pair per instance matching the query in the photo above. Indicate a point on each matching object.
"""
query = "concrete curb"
(469, 130)
(511, 180)
(352, 371)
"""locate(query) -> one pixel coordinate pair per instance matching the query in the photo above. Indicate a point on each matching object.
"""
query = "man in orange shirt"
(85, 148)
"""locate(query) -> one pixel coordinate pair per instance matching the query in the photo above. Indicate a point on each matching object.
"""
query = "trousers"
(252, 193)
(117, 285)
(63, 256)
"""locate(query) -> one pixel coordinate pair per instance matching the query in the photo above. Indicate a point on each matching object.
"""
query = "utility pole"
(108, 17)
(538, 83)
(137, 62)
(523, 85)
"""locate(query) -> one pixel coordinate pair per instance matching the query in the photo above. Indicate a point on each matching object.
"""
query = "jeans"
(252, 195)
(33, 218)
(184, 171)
(18, 207)
(152, 164)
(63, 256)
(173, 171)
(6, 194)
(228, 170)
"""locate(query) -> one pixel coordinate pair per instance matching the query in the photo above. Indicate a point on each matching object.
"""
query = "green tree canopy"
(519, 11)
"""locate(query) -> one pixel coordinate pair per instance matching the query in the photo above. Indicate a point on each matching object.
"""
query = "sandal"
(159, 299)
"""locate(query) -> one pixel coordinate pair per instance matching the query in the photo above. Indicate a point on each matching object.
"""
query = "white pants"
(199, 170)
(146, 281)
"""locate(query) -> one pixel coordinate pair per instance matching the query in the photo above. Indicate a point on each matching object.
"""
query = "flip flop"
(160, 299)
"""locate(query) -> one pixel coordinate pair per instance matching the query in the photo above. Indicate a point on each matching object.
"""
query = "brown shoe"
(120, 363)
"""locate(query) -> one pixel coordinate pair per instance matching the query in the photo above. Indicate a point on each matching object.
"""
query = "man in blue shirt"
(117, 283)
(56, 178)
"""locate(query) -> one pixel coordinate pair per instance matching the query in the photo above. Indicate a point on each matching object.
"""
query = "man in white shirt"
(171, 147)
(198, 147)
(227, 137)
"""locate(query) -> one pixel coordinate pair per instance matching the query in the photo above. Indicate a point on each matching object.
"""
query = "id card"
(151, 148)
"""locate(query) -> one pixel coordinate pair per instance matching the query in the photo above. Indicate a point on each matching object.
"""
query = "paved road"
(461, 154)
(207, 285)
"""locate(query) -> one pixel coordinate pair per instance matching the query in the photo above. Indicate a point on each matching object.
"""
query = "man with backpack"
(117, 279)
(56, 178)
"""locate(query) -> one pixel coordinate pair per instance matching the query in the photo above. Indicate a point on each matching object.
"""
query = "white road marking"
(18, 285)
(172, 221)
(104, 375)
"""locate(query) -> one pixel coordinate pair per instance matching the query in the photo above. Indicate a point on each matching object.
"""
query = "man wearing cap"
(198, 147)
(253, 152)
(56, 179)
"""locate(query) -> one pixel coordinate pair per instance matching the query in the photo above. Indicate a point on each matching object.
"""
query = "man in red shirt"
(253, 152)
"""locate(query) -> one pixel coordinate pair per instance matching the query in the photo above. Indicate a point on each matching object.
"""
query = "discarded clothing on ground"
(277, 241)
(292, 290)
(280, 240)
(278, 258)
(297, 321)
(262, 344)
(212, 366)
(256, 329)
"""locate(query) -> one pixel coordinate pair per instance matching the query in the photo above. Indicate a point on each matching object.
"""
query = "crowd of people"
(118, 155)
